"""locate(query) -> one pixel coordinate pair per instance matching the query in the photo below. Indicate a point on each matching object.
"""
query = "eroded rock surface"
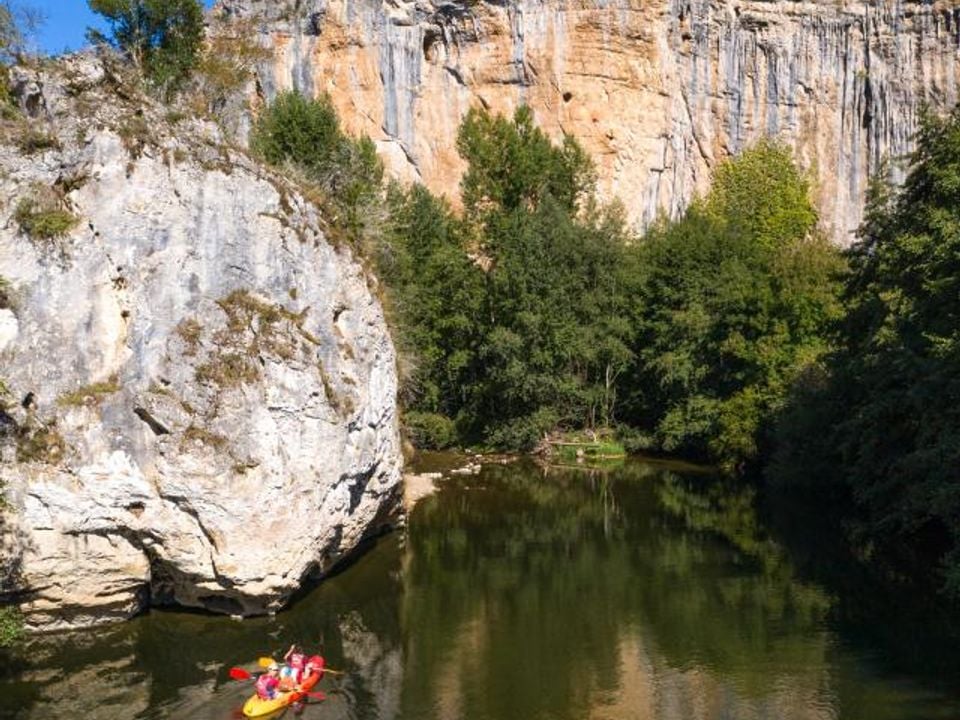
(200, 388)
(658, 91)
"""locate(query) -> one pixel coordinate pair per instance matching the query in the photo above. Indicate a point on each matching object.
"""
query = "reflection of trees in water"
(536, 585)
(909, 627)
(724, 593)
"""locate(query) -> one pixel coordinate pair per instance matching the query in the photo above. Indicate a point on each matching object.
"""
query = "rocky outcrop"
(657, 92)
(199, 388)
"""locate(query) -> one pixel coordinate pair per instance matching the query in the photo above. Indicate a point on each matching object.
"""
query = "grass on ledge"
(89, 394)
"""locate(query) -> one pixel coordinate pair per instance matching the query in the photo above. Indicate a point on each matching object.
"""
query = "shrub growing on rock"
(306, 134)
(42, 217)
(11, 626)
(163, 38)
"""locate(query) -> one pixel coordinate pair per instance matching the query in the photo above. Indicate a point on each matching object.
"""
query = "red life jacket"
(314, 665)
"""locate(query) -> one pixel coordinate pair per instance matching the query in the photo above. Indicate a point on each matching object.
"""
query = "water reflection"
(647, 592)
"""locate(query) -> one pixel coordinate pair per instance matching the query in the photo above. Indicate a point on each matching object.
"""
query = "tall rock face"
(198, 389)
(657, 91)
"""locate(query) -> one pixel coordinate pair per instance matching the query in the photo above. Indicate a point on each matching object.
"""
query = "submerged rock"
(199, 387)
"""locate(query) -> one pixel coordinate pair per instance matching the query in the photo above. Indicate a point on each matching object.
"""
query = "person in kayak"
(313, 665)
(269, 683)
(292, 674)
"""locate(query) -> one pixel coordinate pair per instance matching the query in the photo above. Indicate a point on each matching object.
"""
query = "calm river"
(649, 592)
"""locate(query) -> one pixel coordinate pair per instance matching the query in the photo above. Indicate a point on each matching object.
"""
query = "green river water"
(647, 592)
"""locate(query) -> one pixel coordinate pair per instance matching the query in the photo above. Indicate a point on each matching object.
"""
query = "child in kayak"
(268, 684)
(292, 674)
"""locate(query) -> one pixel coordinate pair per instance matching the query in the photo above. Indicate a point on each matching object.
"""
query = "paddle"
(267, 662)
(240, 674)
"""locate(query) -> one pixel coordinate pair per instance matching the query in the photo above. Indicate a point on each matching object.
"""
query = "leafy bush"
(430, 431)
(634, 441)
(522, 433)
(42, 217)
(11, 626)
(33, 141)
(299, 130)
(306, 134)
(8, 109)
(163, 38)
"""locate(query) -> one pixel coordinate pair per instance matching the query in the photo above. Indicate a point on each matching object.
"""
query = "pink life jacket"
(296, 662)
(266, 686)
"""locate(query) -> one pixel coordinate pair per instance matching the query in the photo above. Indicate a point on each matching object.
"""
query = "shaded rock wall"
(658, 92)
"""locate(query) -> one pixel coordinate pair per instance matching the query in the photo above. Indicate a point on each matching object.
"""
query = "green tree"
(555, 336)
(736, 300)
(763, 196)
(515, 314)
(436, 299)
(163, 38)
(892, 390)
(513, 164)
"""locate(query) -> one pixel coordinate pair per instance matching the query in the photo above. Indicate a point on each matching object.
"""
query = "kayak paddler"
(268, 683)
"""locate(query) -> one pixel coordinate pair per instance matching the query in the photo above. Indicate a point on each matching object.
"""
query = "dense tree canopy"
(537, 310)
(892, 393)
(736, 299)
(514, 312)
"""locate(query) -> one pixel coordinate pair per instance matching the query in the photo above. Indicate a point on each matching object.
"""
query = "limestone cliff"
(658, 91)
(198, 388)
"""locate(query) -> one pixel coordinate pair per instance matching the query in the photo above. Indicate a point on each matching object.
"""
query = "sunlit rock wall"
(657, 91)
(198, 400)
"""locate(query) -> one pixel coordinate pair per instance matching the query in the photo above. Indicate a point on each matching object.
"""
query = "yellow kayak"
(257, 707)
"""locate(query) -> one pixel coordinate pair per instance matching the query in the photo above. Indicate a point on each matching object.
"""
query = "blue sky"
(66, 23)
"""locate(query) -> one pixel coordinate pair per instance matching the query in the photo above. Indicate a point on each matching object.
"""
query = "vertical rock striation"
(658, 92)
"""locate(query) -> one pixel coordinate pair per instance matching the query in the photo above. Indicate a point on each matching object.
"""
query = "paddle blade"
(265, 662)
(239, 674)
(316, 695)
